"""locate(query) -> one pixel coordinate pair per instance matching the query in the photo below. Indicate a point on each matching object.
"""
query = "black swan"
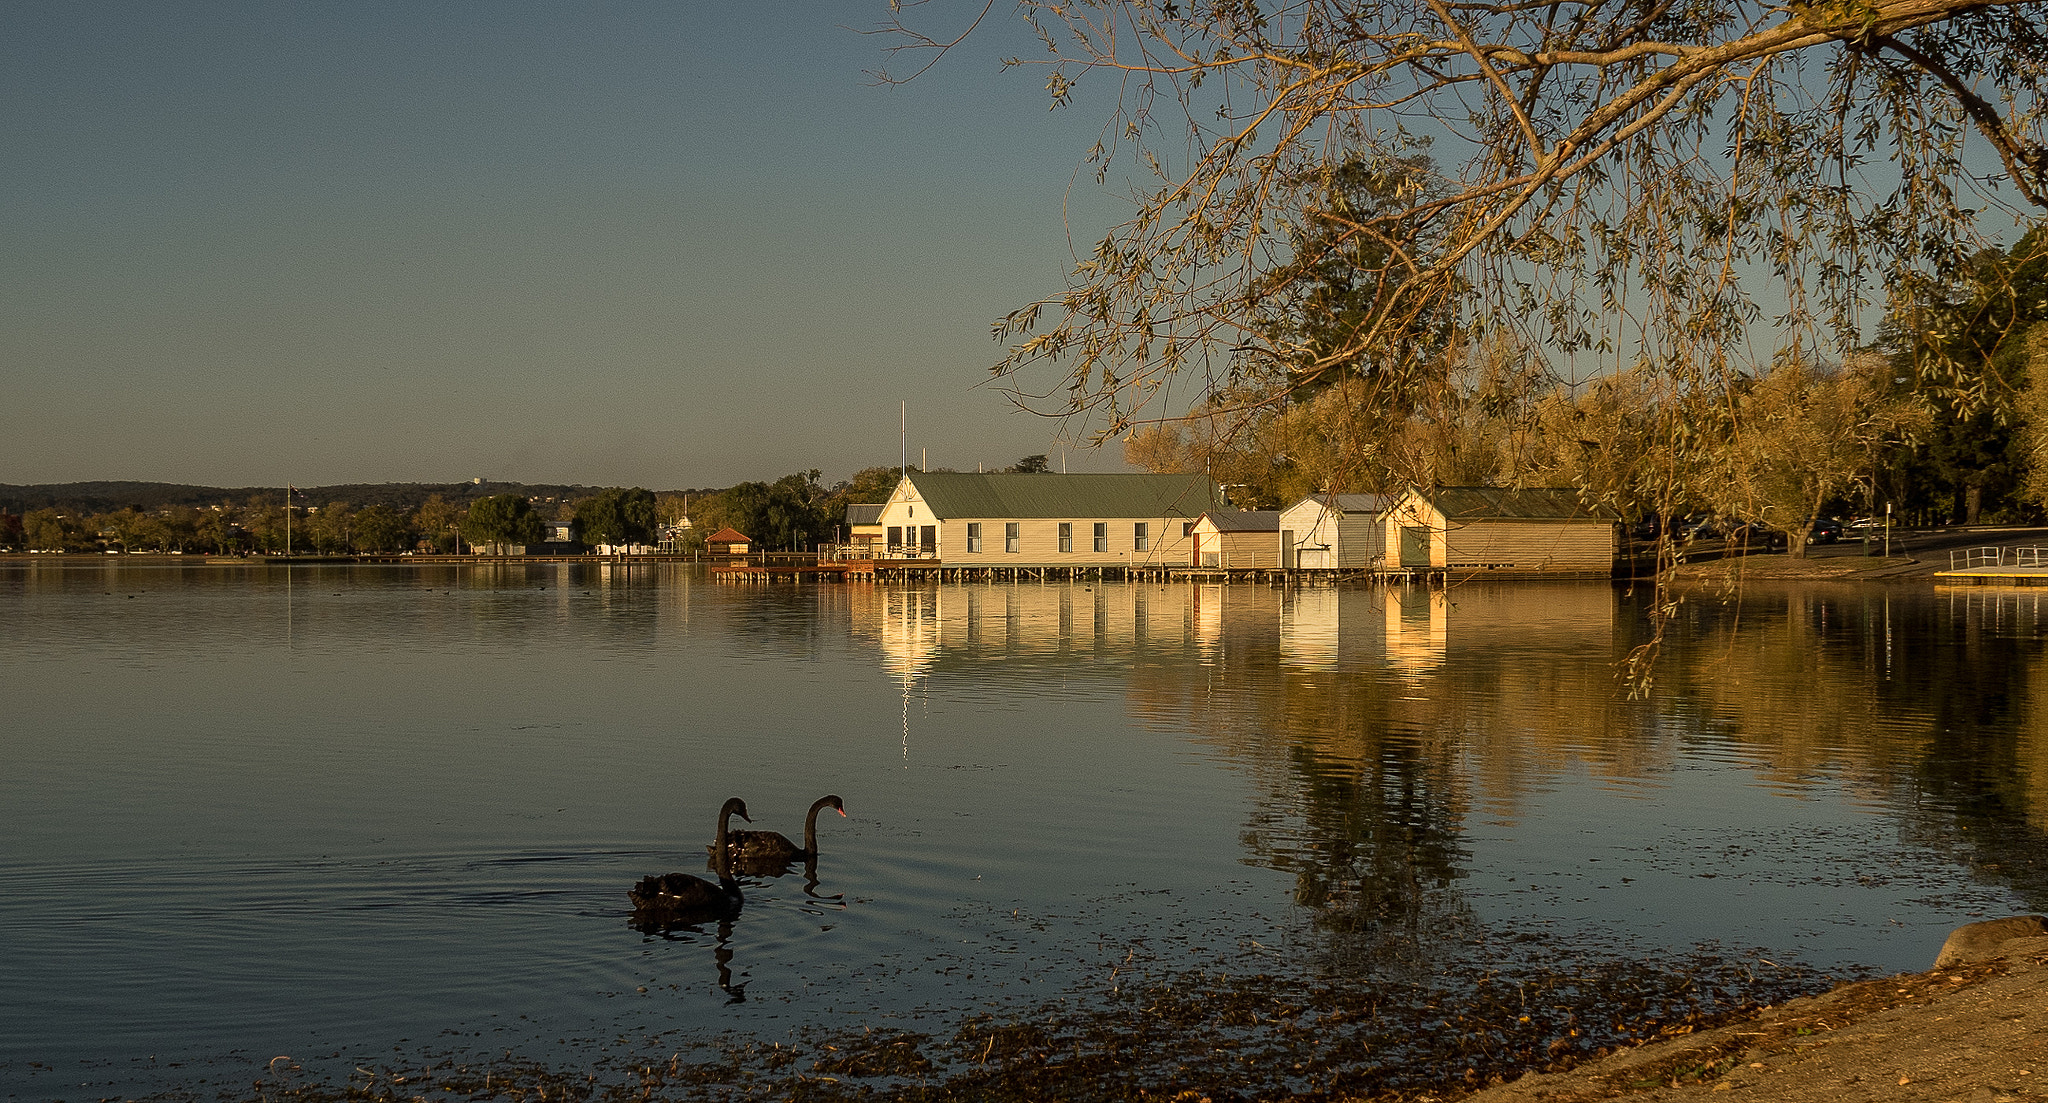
(755, 848)
(680, 898)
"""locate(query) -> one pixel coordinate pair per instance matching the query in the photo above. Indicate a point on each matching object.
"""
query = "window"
(1102, 536)
(1141, 537)
(928, 539)
(895, 537)
(1187, 529)
(1010, 537)
(1066, 536)
(974, 537)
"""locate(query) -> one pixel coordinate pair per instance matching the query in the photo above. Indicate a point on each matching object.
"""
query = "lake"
(359, 817)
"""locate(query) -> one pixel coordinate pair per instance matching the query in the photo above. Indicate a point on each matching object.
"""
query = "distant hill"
(103, 497)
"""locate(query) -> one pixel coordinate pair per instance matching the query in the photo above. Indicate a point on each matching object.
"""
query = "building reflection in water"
(1382, 727)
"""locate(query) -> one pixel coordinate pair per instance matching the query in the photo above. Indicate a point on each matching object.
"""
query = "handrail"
(1965, 558)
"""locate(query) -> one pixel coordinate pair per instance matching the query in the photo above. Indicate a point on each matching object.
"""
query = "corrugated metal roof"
(964, 494)
(865, 513)
(1479, 503)
(1244, 520)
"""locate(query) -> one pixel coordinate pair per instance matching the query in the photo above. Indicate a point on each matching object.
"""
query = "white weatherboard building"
(1045, 520)
(1329, 532)
(1238, 539)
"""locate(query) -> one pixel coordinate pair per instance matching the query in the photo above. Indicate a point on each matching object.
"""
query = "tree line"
(795, 511)
(1799, 438)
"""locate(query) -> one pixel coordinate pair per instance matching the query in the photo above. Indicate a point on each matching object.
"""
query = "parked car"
(1824, 530)
(1754, 534)
(1702, 528)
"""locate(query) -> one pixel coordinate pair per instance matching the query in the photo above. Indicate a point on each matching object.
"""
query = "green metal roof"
(960, 494)
(1498, 503)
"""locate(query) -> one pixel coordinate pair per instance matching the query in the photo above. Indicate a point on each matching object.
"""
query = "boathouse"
(1237, 540)
(1331, 532)
(1467, 530)
(1009, 520)
(728, 541)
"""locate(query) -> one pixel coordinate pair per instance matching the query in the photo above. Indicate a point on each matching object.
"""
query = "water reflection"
(1362, 782)
(1389, 728)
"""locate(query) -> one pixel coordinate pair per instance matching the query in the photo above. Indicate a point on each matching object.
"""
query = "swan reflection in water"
(721, 954)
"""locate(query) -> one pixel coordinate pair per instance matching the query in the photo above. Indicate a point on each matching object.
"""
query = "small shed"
(728, 541)
(1237, 539)
(1477, 529)
(1328, 532)
(864, 524)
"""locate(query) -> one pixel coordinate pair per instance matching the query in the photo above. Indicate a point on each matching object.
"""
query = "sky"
(657, 244)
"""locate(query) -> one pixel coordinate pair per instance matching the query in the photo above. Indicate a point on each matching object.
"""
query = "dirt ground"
(1974, 1033)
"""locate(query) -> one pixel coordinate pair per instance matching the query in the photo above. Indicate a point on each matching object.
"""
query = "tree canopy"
(616, 516)
(1337, 192)
(501, 520)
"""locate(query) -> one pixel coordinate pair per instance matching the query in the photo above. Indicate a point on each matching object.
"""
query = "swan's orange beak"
(841, 811)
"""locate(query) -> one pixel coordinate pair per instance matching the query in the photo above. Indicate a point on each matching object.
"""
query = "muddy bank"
(1976, 1032)
(1183, 1035)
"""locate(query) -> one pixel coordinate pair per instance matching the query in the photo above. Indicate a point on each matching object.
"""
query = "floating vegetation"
(1178, 1035)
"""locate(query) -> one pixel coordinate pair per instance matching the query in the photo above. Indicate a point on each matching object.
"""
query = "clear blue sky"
(664, 244)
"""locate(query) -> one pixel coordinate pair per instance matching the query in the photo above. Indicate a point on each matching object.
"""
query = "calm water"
(362, 813)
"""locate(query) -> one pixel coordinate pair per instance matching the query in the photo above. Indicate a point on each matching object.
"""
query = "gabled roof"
(864, 513)
(1353, 503)
(962, 494)
(727, 535)
(1488, 503)
(1244, 520)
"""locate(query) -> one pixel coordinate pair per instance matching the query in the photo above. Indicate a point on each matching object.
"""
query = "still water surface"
(357, 813)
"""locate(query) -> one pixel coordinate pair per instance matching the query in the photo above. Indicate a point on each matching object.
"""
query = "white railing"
(2030, 557)
(876, 551)
(1964, 558)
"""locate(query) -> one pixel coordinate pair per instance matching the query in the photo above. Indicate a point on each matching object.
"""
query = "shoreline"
(1976, 1031)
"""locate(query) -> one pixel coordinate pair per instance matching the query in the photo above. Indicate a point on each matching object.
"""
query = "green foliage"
(616, 516)
(1967, 354)
(791, 513)
(380, 528)
(869, 485)
(1032, 465)
(439, 521)
(50, 530)
(502, 520)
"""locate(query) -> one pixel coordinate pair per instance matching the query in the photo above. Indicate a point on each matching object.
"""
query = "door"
(1415, 545)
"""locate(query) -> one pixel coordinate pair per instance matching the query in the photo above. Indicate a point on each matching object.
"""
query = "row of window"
(1141, 537)
(924, 536)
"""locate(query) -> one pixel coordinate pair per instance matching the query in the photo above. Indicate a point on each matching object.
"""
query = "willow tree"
(1639, 181)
